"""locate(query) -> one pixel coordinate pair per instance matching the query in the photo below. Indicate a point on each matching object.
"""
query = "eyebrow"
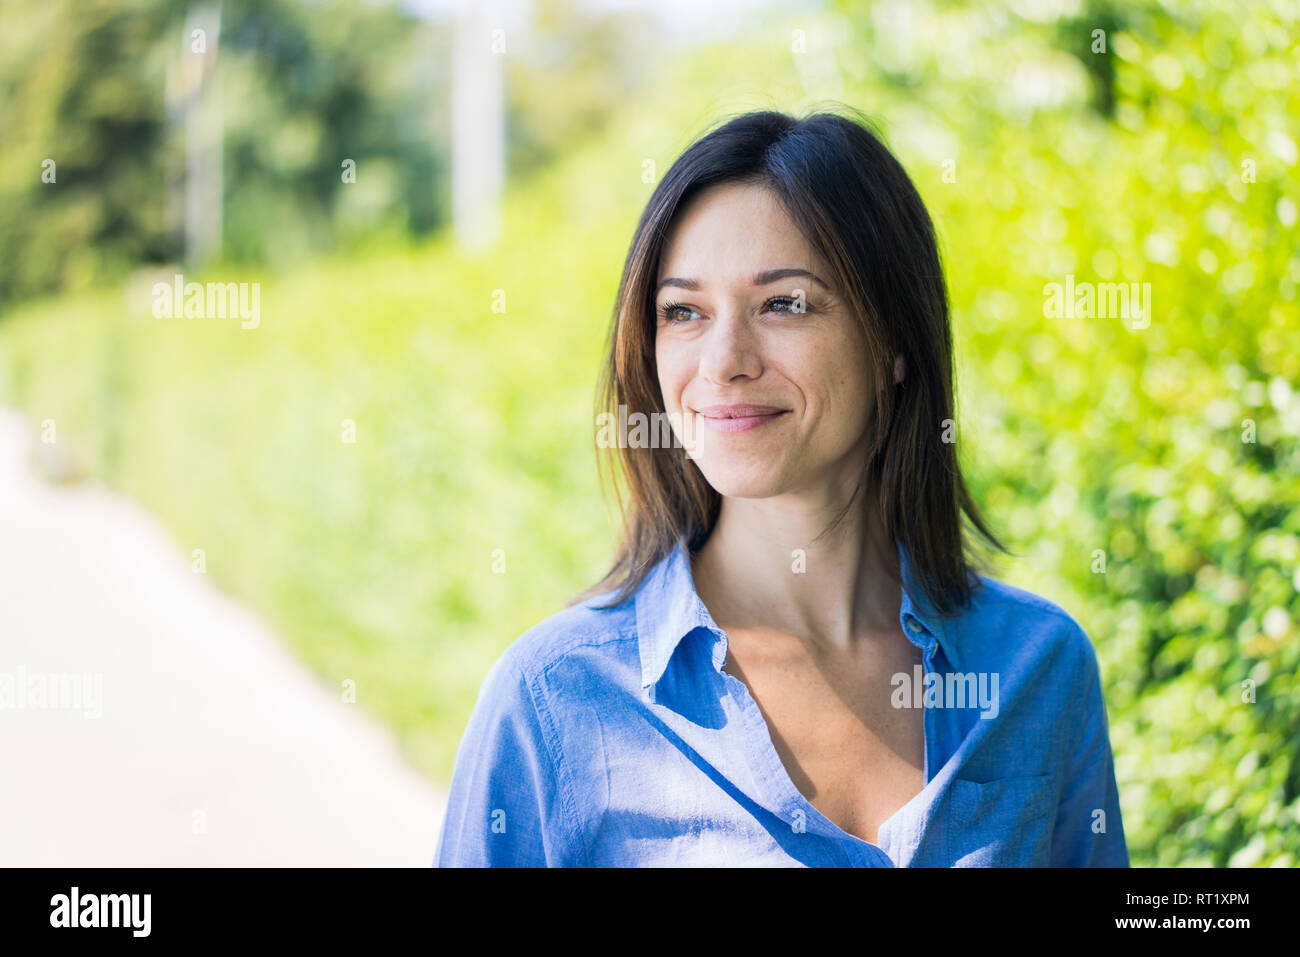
(761, 279)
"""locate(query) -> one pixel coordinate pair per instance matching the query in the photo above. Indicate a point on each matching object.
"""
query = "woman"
(793, 660)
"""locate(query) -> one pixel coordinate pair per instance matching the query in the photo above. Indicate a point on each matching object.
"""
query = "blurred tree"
(80, 97)
(571, 73)
(334, 125)
(306, 87)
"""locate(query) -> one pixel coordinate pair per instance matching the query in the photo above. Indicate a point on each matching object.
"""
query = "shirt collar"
(668, 608)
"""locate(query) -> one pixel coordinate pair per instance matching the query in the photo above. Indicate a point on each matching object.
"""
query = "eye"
(793, 307)
(670, 312)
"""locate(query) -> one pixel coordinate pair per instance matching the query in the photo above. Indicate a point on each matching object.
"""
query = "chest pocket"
(1003, 823)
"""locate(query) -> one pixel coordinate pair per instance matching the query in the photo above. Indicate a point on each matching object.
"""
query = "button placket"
(921, 636)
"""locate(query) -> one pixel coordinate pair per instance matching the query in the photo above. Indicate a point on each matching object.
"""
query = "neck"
(769, 563)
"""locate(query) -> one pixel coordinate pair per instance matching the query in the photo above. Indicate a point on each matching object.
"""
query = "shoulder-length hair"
(858, 209)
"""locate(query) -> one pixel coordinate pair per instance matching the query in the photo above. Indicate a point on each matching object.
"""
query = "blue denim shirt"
(612, 737)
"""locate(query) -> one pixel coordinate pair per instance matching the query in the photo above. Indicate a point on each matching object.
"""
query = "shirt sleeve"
(1088, 830)
(506, 807)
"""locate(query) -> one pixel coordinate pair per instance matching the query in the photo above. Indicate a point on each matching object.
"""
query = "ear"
(898, 368)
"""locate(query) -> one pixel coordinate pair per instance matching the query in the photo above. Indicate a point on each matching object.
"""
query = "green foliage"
(302, 87)
(1170, 451)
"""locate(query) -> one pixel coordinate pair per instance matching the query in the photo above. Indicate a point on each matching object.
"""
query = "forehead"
(727, 233)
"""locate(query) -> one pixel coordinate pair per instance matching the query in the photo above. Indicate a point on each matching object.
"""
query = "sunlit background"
(389, 475)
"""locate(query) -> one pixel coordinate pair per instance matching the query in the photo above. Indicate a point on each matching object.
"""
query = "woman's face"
(769, 396)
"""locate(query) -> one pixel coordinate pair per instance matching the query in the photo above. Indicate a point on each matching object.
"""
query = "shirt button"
(913, 625)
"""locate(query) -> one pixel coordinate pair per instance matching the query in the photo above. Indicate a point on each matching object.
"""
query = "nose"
(730, 349)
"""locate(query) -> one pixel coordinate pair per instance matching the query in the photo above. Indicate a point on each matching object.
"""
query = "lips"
(737, 411)
(740, 417)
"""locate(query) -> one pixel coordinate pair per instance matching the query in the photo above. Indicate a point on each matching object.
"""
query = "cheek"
(673, 371)
(839, 385)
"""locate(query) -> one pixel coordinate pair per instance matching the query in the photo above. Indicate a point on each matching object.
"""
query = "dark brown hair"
(859, 211)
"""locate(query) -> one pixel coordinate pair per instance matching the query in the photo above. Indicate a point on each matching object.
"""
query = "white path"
(214, 747)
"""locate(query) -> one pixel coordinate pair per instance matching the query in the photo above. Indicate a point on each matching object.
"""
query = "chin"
(760, 479)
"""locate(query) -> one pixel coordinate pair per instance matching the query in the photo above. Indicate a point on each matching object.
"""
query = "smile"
(739, 418)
